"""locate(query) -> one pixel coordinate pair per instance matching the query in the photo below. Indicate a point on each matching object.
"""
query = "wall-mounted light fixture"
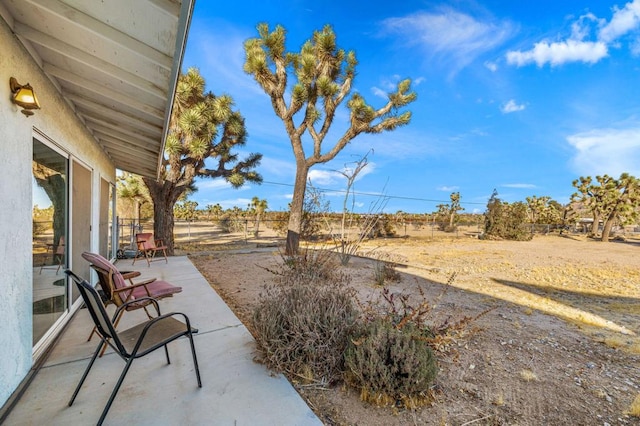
(24, 96)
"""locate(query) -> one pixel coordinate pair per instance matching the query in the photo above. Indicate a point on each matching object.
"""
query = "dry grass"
(528, 375)
(634, 409)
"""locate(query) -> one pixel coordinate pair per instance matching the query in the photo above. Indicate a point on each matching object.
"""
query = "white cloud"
(635, 47)
(491, 66)
(577, 47)
(269, 165)
(519, 185)
(214, 184)
(582, 28)
(455, 38)
(511, 106)
(239, 202)
(324, 177)
(447, 188)
(366, 170)
(379, 93)
(623, 21)
(558, 53)
(337, 177)
(606, 151)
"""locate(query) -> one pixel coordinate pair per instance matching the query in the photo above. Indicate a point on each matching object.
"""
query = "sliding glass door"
(50, 236)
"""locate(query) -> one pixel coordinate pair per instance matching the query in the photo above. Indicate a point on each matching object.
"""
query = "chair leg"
(86, 372)
(139, 253)
(59, 264)
(166, 352)
(195, 359)
(92, 333)
(115, 391)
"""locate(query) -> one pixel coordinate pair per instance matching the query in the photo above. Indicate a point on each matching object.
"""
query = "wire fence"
(245, 229)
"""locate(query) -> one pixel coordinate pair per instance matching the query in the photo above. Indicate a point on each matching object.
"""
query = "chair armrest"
(134, 285)
(138, 300)
(127, 275)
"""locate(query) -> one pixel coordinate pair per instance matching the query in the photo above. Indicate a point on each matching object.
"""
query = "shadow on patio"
(236, 390)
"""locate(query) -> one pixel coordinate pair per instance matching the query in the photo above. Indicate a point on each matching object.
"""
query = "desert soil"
(558, 344)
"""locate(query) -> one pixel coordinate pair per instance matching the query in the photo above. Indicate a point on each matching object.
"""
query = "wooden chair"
(135, 342)
(118, 291)
(148, 247)
(58, 252)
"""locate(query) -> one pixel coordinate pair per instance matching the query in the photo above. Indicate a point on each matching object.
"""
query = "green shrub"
(391, 366)
(304, 319)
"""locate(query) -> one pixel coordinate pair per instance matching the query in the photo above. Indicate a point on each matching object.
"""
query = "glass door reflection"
(50, 250)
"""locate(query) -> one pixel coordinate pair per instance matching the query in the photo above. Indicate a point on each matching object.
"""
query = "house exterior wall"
(57, 121)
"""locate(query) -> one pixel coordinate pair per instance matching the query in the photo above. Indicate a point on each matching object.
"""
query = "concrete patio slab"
(236, 390)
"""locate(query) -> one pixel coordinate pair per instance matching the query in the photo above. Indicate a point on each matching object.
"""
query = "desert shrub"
(278, 221)
(305, 317)
(229, 223)
(506, 221)
(384, 272)
(391, 365)
(383, 227)
(391, 359)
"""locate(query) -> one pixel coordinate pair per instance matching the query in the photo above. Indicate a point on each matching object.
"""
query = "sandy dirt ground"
(559, 344)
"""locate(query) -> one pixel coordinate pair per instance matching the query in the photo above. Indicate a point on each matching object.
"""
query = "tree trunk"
(595, 226)
(164, 198)
(606, 230)
(297, 205)
(256, 231)
(163, 222)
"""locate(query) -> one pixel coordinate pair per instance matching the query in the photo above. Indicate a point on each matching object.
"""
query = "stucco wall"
(58, 122)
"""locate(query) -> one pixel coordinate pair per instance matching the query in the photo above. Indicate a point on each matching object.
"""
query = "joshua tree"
(611, 200)
(130, 187)
(202, 127)
(449, 212)
(323, 76)
(258, 206)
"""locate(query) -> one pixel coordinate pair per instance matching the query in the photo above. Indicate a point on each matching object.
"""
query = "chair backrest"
(101, 262)
(60, 248)
(109, 276)
(97, 311)
(147, 240)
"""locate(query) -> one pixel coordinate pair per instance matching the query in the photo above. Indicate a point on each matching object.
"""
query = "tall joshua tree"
(323, 76)
(202, 127)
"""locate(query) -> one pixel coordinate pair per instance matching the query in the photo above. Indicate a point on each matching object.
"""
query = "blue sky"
(523, 97)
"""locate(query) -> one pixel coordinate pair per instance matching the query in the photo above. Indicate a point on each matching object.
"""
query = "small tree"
(350, 173)
(186, 210)
(324, 77)
(131, 188)
(213, 211)
(449, 212)
(258, 207)
(590, 197)
(546, 211)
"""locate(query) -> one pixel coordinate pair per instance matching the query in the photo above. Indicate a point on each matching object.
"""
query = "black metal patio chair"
(134, 342)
